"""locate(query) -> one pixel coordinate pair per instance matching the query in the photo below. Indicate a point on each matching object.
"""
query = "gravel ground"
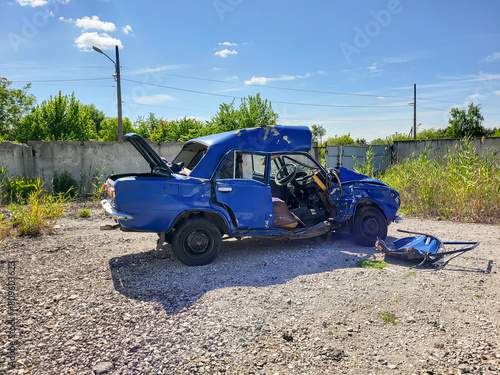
(96, 302)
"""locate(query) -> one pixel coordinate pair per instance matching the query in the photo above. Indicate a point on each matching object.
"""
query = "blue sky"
(347, 65)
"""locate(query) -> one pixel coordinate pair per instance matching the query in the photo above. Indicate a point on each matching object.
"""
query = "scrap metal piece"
(425, 248)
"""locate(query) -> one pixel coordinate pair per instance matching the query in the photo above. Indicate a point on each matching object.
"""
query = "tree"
(14, 105)
(318, 132)
(109, 129)
(252, 112)
(145, 126)
(341, 140)
(61, 118)
(178, 130)
(466, 124)
(97, 116)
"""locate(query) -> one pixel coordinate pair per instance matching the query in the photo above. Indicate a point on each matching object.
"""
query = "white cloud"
(375, 68)
(497, 92)
(103, 41)
(94, 23)
(493, 57)
(229, 44)
(225, 52)
(153, 99)
(264, 80)
(127, 29)
(32, 3)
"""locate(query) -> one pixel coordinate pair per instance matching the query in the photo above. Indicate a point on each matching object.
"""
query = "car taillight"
(111, 192)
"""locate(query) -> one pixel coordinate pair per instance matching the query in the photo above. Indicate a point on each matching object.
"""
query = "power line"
(446, 110)
(64, 80)
(273, 101)
(281, 88)
(161, 106)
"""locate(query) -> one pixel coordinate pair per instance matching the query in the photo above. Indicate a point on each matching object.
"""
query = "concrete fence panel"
(83, 160)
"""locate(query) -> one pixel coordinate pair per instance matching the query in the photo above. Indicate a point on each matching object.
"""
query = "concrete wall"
(81, 159)
(439, 147)
(16, 158)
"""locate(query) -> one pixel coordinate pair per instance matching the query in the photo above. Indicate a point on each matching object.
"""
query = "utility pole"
(118, 89)
(414, 111)
(119, 96)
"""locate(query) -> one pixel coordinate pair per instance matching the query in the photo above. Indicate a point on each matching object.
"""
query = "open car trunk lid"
(154, 160)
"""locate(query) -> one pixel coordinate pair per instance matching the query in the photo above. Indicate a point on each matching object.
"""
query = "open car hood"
(154, 160)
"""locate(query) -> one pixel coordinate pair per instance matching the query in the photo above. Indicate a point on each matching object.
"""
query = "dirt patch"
(93, 301)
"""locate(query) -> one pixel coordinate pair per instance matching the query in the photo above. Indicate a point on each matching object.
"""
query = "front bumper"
(115, 213)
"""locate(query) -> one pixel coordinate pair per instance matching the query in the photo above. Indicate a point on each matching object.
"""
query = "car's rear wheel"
(369, 224)
(196, 242)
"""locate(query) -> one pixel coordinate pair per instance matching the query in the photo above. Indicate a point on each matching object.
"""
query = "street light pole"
(414, 111)
(118, 88)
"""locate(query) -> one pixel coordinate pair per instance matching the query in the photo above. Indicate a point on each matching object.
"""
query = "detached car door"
(241, 187)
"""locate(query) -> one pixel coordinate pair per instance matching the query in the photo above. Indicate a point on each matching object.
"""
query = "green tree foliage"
(318, 132)
(109, 129)
(145, 126)
(178, 130)
(61, 118)
(391, 138)
(14, 105)
(97, 116)
(341, 140)
(252, 112)
(466, 124)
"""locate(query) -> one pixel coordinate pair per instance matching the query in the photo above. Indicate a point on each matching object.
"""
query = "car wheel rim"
(198, 242)
(371, 226)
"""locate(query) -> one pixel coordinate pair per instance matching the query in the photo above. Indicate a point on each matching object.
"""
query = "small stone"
(103, 367)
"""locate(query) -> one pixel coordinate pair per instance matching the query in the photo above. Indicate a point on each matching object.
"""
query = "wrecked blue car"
(248, 182)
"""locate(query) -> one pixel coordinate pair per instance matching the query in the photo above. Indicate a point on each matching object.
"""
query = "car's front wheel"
(196, 242)
(369, 223)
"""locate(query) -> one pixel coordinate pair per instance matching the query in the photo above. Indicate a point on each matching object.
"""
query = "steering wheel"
(288, 172)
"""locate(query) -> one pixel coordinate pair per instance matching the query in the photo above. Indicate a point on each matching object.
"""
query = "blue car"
(248, 182)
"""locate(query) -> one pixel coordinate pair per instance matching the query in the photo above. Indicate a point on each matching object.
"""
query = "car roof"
(265, 139)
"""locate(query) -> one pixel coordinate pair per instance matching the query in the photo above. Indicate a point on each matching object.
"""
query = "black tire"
(369, 223)
(196, 242)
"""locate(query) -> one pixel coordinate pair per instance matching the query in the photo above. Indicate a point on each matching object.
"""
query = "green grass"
(84, 213)
(409, 274)
(378, 264)
(463, 185)
(388, 318)
(38, 214)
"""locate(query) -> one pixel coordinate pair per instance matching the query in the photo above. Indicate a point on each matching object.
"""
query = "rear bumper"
(115, 213)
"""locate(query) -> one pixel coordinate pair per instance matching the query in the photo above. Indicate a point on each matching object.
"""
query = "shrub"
(17, 189)
(64, 183)
(37, 215)
(463, 185)
(84, 213)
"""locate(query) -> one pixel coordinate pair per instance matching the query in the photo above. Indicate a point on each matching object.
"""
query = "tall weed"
(17, 189)
(38, 214)
(463, 185)
(366, 166)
